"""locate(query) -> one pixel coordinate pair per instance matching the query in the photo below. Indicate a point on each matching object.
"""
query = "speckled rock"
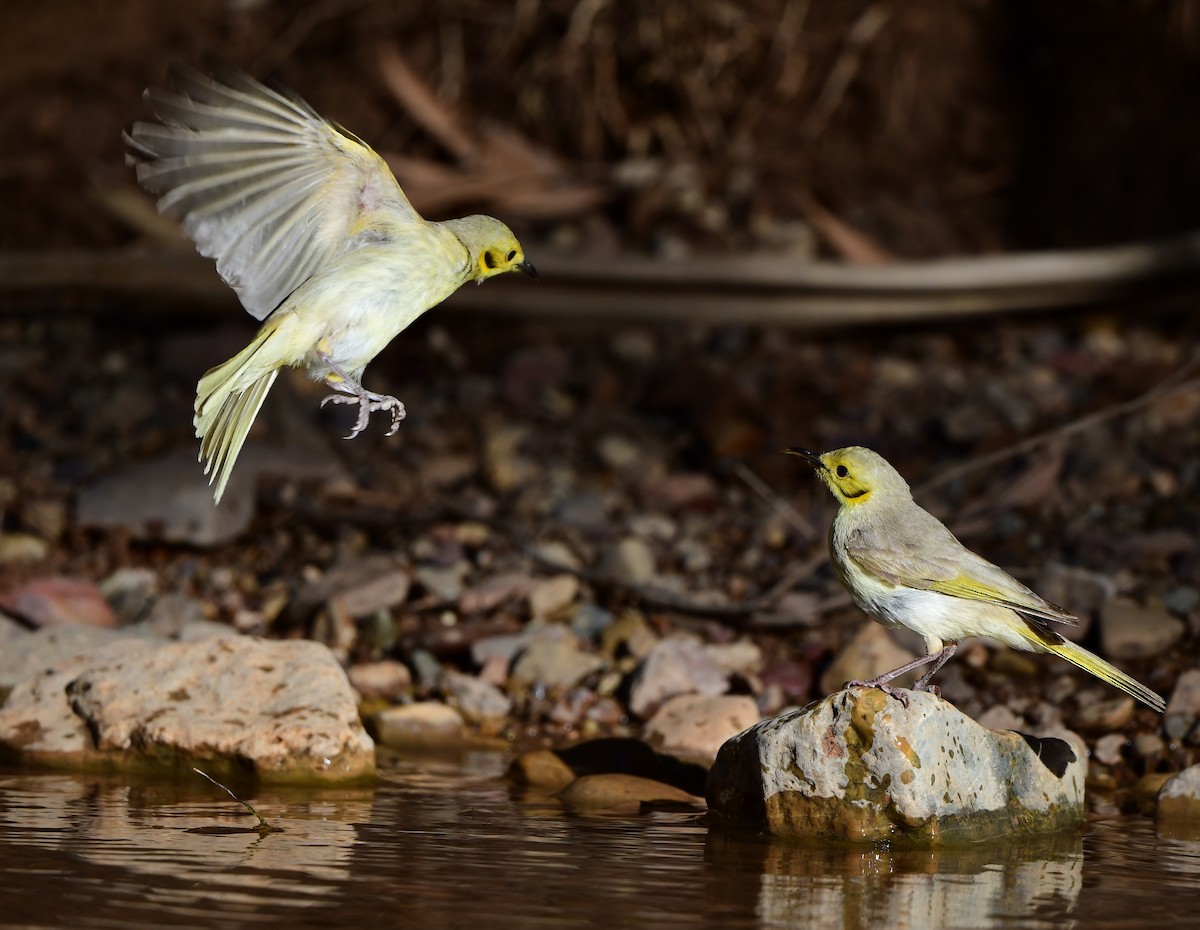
(860, 766)
(285, 709)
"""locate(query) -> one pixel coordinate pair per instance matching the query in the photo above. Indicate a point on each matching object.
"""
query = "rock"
(1104, 716)
(426, 666)
(381, 592)
(590, 621)
(552, 596)
(860, 766)
(742, 657)
(1108, 748)
(443, 582)
(794, 679)
(387, 680)
(629, 635)
(871, 652)
(179, 617)
(677, 664)
(1179, 799)
(554, 659)
(478, 702)
(682, 491)
(1132, 631)
(622, 792)
(506, 469)
(630, 562)
(58, 600)
(18, 548)
(694, 726)
(31, 653)
(505, 646)
(583, 510)
(999, 717)
(617, 452)
(541, 768)
(168, 499)
(283, 709)
(130, 591)
(1182, 599)
(1183, 709)
(423, 724)
(492, 592)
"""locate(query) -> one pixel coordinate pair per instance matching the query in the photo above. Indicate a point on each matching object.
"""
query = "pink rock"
(57, 600)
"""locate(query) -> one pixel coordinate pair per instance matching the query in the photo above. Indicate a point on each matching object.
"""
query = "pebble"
(384, 591)
(479, 702)
(1183, 708)
(590, 621)
(421, 724)
(22, 547)
(491, 593)
(678, 664)
(426, 667)
(742, 657)
(694, 726)
(130, 592)
(542, 768)
(1103, 716)
(871, 652)
(619, 792)
(1182, 600)
(553, 596)
(1179, 799)
(583, 510)
(1000, 717)
(1132, 631)
(617, 452)
(388, 680)
(630, 561)
(682, 491)
(1109, 747)
(57, 600)
(554, 659)
(628, 635)
(443, 582)
(503, 646)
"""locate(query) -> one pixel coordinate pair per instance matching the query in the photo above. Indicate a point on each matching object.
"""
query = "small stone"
(503, 646)
(693, 727)
(541, 768)
(742, 657)
(655, 526)
(631, 562)
(444, 583)
(1000, 717)
(1103, 716)
(479, 702)
(682, 491)
(387, 680)
(1149, 746)
(422, 724)
(130, 591)
(555, 553)
(628, 635)
(677, 664)
(384, 591)
(1109, 747)
(554, 659)
(871, 652)
(493, 592)
(1182, 600)
(617, 452)
(505, 467)
(58, 600)
(1179, 799)
(793, 678)
(1132, 631)
(590, 621)
(552, 596)
(1183, 709)
(622, 793)
(426, 666)
(18, 548)
(583, 510)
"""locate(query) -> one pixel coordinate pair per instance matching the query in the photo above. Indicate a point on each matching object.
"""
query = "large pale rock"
(283, 709)
(678, 664)
(860, 766)
(695, 726)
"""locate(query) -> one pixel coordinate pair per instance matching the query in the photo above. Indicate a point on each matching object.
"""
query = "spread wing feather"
(262, 183)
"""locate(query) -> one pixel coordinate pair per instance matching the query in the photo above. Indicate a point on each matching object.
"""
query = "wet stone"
(388, 679)
(422, 724)
(1179, 799)
(619, 792)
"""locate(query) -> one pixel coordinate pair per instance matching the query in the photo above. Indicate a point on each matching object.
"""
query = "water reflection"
(852, 888)
(448, 844)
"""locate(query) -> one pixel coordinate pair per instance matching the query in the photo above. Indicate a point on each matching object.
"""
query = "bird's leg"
(351, 392)
(881, 682)
(940, 659)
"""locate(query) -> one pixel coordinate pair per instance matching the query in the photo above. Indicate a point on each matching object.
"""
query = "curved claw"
(897, 693)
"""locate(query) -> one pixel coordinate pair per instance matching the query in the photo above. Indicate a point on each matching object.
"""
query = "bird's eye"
(511, 255)
(489, 259)
(842, 471)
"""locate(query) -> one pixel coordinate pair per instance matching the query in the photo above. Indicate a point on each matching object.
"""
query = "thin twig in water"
(263, 825)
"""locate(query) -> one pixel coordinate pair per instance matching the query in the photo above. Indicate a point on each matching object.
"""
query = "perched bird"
(905, 569)
(309, 227)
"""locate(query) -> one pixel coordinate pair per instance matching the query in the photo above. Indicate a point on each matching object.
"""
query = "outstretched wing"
(921, 553)
(262, 183)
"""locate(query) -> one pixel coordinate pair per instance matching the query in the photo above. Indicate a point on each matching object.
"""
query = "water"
(449, 844)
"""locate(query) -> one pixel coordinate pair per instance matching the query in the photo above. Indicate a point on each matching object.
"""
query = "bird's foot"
(368, 402)
(881, 685)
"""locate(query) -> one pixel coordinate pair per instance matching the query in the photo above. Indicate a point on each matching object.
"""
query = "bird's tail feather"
(1085, 660)
(228, 399)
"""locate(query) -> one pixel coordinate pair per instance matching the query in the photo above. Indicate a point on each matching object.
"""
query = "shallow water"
(448, 844)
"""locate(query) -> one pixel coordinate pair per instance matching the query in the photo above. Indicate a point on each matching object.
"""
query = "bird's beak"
(813, 458)
(527, 267)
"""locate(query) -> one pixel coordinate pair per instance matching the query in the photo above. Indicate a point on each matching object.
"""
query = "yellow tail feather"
(228, 399)
(1085, 660)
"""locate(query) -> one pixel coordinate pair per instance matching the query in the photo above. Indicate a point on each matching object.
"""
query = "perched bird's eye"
(511, 255)
(842, 471)
(489, 259)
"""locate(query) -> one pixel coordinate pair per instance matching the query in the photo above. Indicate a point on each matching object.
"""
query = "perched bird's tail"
(228, 398)
(1085, 660)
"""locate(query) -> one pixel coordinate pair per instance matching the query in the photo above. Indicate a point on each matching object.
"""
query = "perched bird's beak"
(527, 267)
(813, 458)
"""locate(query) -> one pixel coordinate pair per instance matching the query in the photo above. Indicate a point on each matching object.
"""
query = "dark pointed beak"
(528, 268)
(813, 458)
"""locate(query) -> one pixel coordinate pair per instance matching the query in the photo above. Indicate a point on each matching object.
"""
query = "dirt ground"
(859, 131)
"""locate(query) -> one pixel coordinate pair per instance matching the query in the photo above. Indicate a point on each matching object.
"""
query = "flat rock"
(622, 792)
(26, 654)
(677, 664)
(553, 658)
(423, 724)
(860, 766)
(285, 709)
(168, 499)
(1132, 631)
(58, 600)
(695, 726)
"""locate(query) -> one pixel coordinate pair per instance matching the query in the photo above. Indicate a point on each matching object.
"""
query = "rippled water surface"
(448, 844)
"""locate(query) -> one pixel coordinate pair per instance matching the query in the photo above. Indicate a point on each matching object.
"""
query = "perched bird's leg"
(940, 659)
(881, 682)
(351, 392)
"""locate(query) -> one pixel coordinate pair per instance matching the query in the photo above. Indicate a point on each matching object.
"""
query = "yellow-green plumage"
(905, 569)
(310, 228)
